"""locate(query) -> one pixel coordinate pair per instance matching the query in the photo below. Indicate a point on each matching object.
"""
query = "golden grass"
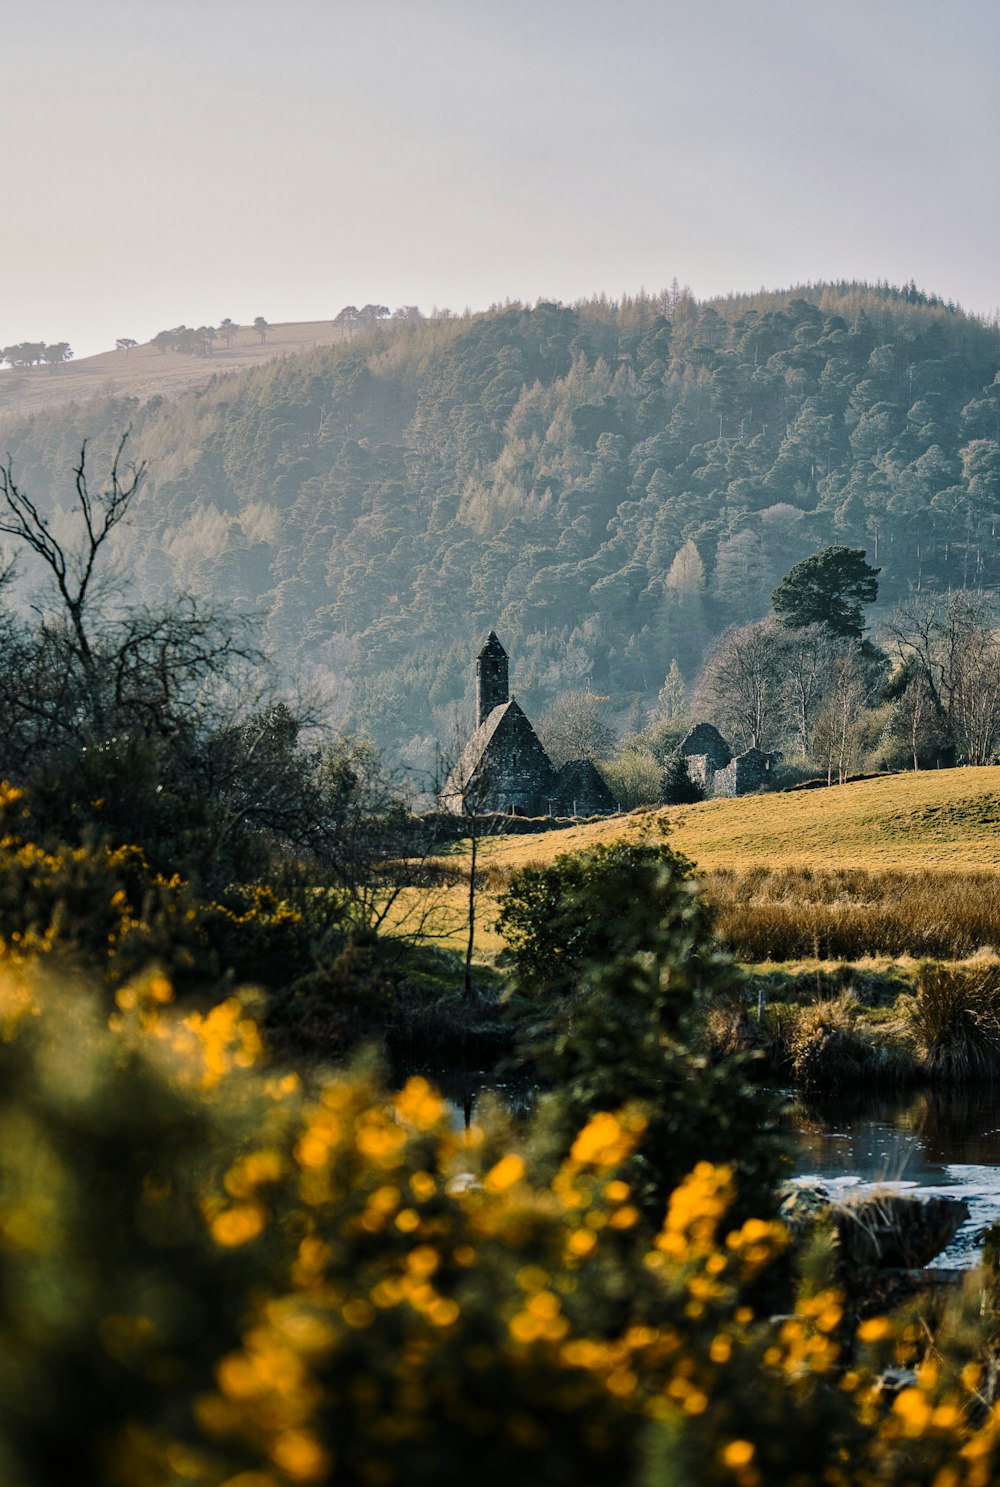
(445, 921)
(789, 913)
(906, 865)
(145, 372)
(934, 819)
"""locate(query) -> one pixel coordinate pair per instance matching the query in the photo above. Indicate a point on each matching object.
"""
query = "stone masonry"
(713, 765)
(504, 767)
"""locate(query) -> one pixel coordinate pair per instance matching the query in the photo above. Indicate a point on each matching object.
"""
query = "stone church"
(503, 767)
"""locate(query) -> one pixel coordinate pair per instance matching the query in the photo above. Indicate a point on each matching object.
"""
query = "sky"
(179, 161)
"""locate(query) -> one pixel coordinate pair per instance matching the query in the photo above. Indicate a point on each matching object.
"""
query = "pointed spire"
(491, 646)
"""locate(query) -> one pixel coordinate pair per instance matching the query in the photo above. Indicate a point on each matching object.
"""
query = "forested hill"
(608, 485)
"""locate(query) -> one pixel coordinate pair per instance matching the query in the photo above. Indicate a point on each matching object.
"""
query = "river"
(930, 1141)
(934, 1141)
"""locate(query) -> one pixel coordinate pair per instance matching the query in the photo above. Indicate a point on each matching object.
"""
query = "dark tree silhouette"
(828, 588)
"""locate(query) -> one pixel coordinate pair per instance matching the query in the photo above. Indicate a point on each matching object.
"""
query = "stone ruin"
(712, 764)
(504, 767)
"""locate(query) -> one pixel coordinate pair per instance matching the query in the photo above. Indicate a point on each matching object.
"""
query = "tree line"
(612, 485)
(27, 354)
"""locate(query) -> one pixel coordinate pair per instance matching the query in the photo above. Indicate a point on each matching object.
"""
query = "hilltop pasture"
(932, 819)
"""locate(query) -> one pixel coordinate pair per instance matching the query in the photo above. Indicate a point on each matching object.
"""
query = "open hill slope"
(947, 819)
(144, 372)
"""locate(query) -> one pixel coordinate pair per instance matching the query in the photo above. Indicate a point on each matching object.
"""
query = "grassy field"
(906, 865)
(145, 372)
(935, 819)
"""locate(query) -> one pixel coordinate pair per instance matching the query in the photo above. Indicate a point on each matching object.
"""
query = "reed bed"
(955, 1016)
(781, 914)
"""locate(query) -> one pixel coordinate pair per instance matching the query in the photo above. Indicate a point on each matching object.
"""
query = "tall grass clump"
(794, 913)
(955, 1016)
(831, 1047)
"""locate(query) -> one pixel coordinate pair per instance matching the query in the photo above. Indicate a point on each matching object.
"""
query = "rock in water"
(897, 1230)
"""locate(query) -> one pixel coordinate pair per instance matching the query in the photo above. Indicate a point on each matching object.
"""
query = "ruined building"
(503, 767)
(712, 764)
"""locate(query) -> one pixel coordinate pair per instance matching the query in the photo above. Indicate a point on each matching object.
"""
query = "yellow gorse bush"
(215, 1274)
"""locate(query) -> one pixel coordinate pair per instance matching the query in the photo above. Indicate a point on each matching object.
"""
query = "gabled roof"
(472, 755)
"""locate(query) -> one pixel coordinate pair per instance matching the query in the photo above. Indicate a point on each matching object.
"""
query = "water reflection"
(465, 1089)
(934, 1141)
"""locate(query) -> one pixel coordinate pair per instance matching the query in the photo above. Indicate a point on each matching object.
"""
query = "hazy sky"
(185, 160)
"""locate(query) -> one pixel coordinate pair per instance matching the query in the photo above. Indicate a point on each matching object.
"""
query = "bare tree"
(740, 688)
(844, 723)
(73, 572)
(808, 657)
(577, 726)
(951, 644)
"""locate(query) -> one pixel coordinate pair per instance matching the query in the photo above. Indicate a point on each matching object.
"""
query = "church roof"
(491, 646)
(472, 755)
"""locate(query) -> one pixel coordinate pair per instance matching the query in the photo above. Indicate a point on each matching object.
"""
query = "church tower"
(491, 678)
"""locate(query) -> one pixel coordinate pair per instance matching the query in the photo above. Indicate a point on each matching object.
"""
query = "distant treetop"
(829, 589)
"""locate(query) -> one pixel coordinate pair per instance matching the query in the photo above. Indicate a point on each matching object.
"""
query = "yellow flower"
(508, 1171)
(581, 1242)
(914, 1411)
(238, 1225)
(738, 1454)
(601, 1141)
(874, 1330)
(300, 1456)
(417, 1104)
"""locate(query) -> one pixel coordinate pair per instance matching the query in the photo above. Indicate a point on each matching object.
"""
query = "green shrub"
(591, 908)
(677, 786)
(612, 952)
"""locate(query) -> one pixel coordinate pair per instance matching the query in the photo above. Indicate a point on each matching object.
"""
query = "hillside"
(943, 818)
(609, 485)
(144, 372)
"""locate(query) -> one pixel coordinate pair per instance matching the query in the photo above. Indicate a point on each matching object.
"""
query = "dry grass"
(940, 819)
(145, 372)
(905, 866)
(955, 1017)
(796, 913)
(831, 1046)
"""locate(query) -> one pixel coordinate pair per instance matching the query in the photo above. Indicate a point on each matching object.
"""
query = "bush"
(211, 1274)
(612, 951)
(955, 1016)
(633, 776)
(592, 908)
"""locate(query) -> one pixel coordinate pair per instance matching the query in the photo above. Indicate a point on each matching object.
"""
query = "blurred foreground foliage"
(215, 1272)
(212, 1272)
(615, 972)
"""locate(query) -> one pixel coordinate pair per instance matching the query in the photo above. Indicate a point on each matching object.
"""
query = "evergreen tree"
(828, 588)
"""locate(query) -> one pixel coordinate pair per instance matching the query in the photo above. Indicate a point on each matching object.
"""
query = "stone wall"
(745, 774)
(582, 790)
(705, 741)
